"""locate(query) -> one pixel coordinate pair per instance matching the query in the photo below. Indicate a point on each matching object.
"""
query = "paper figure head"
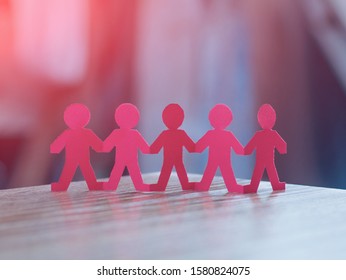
(127, 115)
(76, 116)
(220, 116)
(266, 116)
(173, 116)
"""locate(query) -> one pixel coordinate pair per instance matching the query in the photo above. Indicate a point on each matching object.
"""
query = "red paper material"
(77, 142)
(220, 142)
(172, 141)
(127, 141)
(265, 142)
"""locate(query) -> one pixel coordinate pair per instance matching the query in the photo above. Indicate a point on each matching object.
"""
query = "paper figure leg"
(137, 179)
(65, 178)
(208, 177)
(90, 177)
(274, 178)
(114, 178)
(163, 178)
(229, 178)
(255, 180)
(182, 175)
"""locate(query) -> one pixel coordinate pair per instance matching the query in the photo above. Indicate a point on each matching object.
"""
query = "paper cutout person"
(127, 141)
(77, 142)
(265, 142)
(172, 141)
(220, 143)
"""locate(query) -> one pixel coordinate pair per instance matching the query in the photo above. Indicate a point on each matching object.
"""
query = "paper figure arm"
(95, 142)
(109, 142)
(202, 143)
(157, 145)
(251, 146)
(237, 146)
(280, 144)
(188, 143)
(142, 144)
(59, 143)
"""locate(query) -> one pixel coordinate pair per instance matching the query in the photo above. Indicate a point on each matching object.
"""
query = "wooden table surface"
(300, 223)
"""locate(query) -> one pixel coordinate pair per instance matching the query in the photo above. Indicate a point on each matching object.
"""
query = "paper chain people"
(127, 142)
(172, 141)
(77, 141)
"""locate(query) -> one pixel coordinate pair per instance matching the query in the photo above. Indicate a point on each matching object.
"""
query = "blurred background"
(289, 53)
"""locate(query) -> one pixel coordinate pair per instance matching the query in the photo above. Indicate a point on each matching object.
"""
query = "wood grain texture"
(300, 223)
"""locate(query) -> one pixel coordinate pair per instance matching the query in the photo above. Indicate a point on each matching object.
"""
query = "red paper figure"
(220, 143)
(265, 142)
(127, 141)
(172, 142)
(77, 142)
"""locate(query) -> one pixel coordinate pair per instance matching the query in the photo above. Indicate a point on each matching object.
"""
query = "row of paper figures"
(77, 141)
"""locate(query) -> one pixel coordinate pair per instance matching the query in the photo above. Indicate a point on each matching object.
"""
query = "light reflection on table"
(300, 223)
